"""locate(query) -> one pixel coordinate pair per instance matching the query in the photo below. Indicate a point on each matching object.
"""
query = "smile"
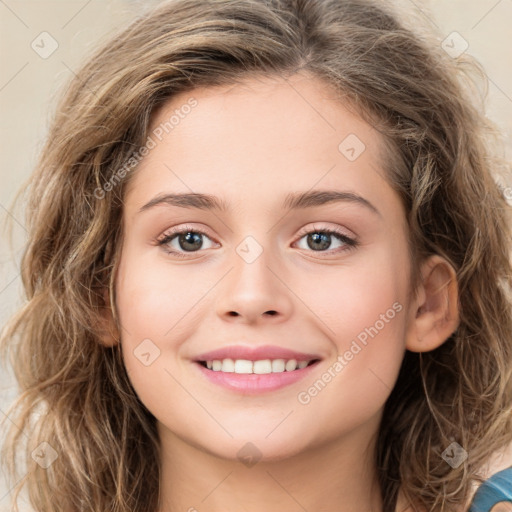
(247, 377)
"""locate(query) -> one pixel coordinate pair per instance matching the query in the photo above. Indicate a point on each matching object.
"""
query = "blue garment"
(492, 491)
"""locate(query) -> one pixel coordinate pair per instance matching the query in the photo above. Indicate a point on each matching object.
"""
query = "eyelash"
(350, 243)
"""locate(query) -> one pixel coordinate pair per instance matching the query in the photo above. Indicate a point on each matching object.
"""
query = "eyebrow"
(293, 201)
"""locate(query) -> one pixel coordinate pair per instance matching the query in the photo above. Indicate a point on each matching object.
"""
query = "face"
(323, 280)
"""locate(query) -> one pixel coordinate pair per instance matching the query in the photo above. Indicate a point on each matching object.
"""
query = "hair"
(440, 158)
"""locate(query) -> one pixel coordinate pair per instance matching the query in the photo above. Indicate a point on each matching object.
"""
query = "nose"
(255, 292)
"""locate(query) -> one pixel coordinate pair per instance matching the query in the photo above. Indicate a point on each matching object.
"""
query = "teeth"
(228, 365)
(278, 365)
(258, 367)
(241, 366)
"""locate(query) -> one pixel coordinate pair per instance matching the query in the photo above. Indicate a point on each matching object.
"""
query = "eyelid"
(183, 228)
(336, 229)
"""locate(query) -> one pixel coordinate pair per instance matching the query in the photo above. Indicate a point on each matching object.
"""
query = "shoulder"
(493, 472)
(497, 484)
(495, 494)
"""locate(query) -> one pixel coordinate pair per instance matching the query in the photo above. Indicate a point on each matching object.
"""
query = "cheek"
(159, 307)
(352, 298)
(156, 300)
(367, 316)
(362, 309)
(151, 315)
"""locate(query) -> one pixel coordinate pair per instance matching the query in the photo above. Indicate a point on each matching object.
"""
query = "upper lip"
(255, 353)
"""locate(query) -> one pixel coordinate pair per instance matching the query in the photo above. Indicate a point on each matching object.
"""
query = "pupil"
(190, 238)
(323, 238)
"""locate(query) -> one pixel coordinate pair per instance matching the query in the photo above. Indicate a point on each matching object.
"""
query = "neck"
(336, 477)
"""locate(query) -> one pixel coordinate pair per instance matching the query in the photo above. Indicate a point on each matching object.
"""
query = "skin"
(503, 506)
(251, 145)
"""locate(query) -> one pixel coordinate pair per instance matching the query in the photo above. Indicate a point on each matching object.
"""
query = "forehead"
(266, 133)
(303, 103)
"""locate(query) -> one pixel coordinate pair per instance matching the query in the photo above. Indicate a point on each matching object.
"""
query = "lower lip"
(252, 383)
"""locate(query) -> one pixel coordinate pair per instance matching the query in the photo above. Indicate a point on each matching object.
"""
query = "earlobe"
(435, 310)
(108, 333)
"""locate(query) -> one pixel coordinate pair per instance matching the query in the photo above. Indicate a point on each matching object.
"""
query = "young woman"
(268, 268)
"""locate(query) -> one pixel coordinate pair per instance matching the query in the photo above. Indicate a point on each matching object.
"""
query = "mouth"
(246, 377)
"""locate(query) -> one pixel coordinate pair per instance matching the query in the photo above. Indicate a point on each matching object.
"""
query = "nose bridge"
(254, 287)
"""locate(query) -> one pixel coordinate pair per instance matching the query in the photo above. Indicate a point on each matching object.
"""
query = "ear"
(434, 313)
(109, 335)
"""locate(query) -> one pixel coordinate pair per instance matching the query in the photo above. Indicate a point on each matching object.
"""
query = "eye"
(187, 239)
(320, 239)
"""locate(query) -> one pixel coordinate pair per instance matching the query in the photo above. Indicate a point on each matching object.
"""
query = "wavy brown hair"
(441, 159)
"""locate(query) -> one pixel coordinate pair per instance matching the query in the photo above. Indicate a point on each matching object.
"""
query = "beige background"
(29, 84)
